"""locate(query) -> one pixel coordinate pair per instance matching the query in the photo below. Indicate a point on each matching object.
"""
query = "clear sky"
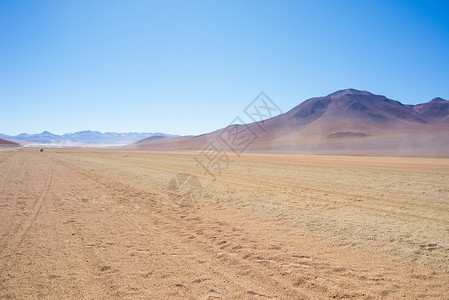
(189, 67)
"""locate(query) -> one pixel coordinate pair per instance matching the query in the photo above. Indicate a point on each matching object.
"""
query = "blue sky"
(189, 67)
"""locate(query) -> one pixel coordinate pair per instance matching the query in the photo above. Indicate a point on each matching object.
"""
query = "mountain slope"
(8, 143)
(347, 119)
(436, 109)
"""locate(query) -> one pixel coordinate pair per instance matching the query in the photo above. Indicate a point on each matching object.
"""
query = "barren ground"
(99, 224)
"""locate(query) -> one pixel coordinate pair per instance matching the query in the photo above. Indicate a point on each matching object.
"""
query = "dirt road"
(98, 224)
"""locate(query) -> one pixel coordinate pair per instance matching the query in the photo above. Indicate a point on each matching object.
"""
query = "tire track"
(341, 198)
(122, 238)
(183, 224)
(18, 233)
(14, 173)
(170, 227)
(401, 208)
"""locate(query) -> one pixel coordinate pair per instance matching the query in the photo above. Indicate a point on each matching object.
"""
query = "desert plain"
(97, 224)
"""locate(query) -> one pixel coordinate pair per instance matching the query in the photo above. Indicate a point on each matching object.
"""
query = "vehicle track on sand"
(17, 233)
(170, 224)
(17, 167)
(336, 196)
(239, 251)
(108, 230)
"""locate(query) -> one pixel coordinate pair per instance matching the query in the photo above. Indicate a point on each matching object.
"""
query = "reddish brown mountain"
(347, 120)
(434, 110)
(8, 143)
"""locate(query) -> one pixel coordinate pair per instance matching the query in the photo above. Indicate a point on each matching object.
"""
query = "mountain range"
(348, 121)
(87, 137)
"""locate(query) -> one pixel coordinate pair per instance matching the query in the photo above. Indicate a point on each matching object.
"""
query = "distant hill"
(347, 121)
(82, 138)
(435, 110)
(6, 143)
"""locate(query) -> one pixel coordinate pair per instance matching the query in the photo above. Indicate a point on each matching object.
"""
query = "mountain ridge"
(87, 137)
(343, 116)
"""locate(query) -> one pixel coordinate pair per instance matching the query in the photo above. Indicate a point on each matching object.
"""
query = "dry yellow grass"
(98, 224)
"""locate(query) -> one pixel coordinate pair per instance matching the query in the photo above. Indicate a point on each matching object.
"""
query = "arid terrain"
(99, 224)
(349, 122)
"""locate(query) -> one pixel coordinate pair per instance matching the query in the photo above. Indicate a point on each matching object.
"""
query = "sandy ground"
(99, 224)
